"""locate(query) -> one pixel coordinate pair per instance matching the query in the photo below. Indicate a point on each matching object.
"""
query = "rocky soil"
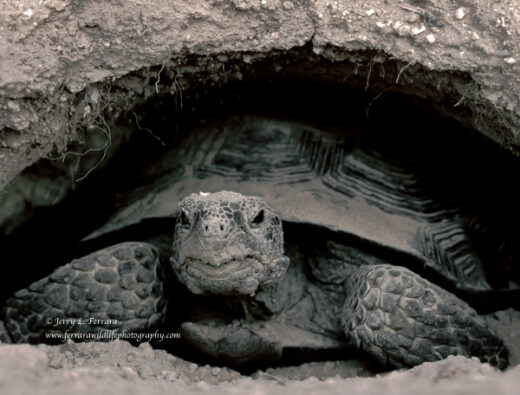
(117, 368)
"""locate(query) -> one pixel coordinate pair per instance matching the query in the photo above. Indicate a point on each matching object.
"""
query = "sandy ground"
(117, 367)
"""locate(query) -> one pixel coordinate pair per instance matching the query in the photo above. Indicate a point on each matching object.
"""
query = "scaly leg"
(116, 289)
(404, 320)
(237, 344)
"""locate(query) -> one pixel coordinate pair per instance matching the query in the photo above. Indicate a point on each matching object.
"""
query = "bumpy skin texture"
(404, 320)
(236, 343)
(228, 244)
(121, 284)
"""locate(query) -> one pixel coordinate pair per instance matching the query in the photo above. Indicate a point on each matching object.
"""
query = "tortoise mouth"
(234, 268)
(239, 275)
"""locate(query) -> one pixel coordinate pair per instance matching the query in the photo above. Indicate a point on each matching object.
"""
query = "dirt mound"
(117, 367)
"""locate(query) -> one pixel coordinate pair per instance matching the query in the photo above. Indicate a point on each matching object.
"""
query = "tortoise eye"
(258, 219)
(185, 221)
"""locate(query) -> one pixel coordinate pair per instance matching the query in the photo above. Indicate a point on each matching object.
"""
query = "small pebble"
(128, 373)
(13, 106)
(145, 371)
(461, 13)
(172, 376)
(418, 30)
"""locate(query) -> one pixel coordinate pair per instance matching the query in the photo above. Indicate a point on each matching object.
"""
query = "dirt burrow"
(70, 67)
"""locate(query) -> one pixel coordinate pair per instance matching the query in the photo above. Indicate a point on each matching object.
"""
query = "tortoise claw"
(236, 344)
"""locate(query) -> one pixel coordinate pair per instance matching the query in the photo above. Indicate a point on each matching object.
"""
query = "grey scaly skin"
(117, 289)
(229, 245)
(226, 243)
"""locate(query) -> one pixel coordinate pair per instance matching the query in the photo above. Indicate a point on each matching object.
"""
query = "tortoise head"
(226, 243)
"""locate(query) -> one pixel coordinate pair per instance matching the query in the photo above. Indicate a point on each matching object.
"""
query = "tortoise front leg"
(116, 290)
(404, 320)
(238, 343)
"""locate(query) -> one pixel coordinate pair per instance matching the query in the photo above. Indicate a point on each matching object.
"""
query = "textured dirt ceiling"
(57, 53)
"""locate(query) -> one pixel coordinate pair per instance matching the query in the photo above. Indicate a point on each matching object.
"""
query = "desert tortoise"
(363, 218)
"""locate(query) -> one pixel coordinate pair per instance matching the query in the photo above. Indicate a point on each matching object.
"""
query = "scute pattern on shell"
(319, 177)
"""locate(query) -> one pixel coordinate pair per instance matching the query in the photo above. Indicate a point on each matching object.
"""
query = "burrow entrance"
(405, 111)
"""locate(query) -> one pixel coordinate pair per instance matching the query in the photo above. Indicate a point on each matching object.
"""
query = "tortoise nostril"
(206, 228)
(221, 227)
